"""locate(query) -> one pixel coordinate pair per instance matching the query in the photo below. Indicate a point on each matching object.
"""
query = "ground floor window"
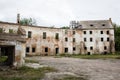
(27, 49)
(33, 49)
(46, 49)
(66, 50)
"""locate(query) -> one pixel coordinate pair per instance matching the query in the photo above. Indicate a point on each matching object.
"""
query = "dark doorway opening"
(46, 51)
(57, 50)
(88, 53)
(66, 50)
(7, 55)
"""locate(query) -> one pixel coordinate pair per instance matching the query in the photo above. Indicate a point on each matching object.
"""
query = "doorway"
(7, 54)
(57, 50)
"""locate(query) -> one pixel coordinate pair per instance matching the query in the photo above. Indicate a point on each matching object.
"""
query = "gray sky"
(60, 12)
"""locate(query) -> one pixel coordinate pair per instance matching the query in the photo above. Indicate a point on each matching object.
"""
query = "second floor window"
(90, 32)
(44, 35)
(29, 34)
(101, 39)
(91, 39)
(66, 39)
(73, 39)
(101, 32)
(84, 32)
(57, 36)
(85, 39)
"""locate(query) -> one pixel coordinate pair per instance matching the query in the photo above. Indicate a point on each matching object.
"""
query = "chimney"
(18, 18)
(110, 20)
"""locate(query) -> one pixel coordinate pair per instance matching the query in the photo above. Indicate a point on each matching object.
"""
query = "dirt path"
(96, 69)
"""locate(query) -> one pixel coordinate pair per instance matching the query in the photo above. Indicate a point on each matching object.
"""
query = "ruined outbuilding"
(12, 45)
(83, 37)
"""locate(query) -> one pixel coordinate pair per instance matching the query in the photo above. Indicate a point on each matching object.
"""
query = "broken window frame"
(91, 39)
(84, 32)
(91, 48)
(33, 49)
(74, 48)
(105, 47)
(85, 39)
(66, 39)
(90, 32)
(27, 49)
(57, 36)
(85, 48)
(102, 39)
(108, 39)
(46, 49)
(73, 32)
(66, 50)
(29, 34)
(101, 32)
(108, 32)
(74, 40)
(44, 35)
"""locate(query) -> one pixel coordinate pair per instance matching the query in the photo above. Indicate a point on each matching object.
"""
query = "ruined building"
(83, 37)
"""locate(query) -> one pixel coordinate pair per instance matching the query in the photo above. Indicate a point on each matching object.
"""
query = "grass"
(3, 58)
(25, 73)
(94, 56)
(31, 61)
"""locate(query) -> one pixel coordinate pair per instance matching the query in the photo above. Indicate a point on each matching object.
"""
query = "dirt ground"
(90, 69)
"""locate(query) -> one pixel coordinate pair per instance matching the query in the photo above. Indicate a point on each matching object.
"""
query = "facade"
(83, 37)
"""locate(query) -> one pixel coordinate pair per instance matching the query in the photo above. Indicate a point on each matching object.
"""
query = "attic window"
(103, 24)
(91, 25)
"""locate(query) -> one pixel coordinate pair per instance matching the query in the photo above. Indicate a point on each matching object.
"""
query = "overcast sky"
(60, 12)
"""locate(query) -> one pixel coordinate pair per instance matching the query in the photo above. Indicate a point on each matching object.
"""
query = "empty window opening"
(107, 32)
(57, 36)
(91, 39)
(103, 24)
(85, 39)
(85, 48)
(33, 49)
(46, 49)
(66, 50)
(101, 39)
(29, 34)
(84, 32)
(73, 39)
(91, 25)
(105, 48)
(91, 48)
(66, 31)
(44, 35)
(57, 50)
(73, 32)
(27, 49)
(66, 39)
(101, 32)
(108, 39)
(90, 32)
(74, 48)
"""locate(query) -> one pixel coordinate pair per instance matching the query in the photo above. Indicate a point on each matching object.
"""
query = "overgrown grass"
(25, 73)
(3, 58)
(31, 61)
(94, 56)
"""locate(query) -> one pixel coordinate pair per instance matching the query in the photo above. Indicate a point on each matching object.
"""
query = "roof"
(28, 25)
(101, 24)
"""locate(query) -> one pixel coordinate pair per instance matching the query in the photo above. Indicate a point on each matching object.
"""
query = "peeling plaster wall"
(39, 43)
